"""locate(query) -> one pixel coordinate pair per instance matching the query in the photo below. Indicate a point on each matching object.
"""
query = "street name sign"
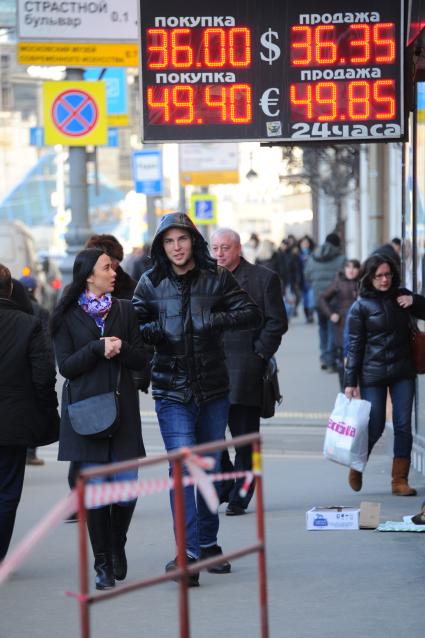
(77, 32)
(147, 172)
(205, 164)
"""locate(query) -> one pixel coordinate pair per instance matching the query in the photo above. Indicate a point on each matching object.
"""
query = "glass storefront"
(414, 246)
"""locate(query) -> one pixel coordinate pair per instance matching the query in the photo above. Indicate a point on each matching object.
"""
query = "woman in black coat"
(379, 359)
(94, 336)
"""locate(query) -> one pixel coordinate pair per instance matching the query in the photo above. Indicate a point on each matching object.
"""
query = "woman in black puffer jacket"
(379, 359)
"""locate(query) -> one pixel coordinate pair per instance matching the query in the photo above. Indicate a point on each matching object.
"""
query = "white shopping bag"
(346, 439)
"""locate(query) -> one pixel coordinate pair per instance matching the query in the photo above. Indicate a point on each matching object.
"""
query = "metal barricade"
(176, 459)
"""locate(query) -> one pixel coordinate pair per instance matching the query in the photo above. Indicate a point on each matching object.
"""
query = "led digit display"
(343, 44)
(200, 104)
(341, 101)
(288, 73)
(210, 48)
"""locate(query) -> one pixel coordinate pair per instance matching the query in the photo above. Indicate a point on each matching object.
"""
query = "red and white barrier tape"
(61, 510)
(107, 493)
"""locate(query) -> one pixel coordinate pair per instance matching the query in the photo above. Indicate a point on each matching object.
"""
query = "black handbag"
(271, 390)
(95, 417)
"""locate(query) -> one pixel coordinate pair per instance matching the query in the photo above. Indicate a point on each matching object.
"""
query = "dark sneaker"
(193, 578)
(211, 552)
(419, 519)
(234, 510)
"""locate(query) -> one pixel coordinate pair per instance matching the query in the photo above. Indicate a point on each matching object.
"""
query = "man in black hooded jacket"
(184, 303)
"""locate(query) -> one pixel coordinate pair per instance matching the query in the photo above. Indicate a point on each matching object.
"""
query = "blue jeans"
(186, 425)
(128, 475)
(402, 393)
(326, 340)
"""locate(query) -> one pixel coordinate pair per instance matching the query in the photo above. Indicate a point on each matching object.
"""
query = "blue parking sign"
(203, 209)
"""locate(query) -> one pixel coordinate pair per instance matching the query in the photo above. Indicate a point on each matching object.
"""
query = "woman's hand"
(405, 301)
(112, 346)
(334, 317)
(350, 393)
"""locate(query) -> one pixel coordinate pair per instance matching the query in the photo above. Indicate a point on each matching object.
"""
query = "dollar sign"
(273, 50)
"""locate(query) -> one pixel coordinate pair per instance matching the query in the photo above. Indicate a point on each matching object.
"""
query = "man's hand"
(334, 317)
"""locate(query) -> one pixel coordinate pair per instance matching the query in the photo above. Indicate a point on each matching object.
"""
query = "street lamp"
(251, 174)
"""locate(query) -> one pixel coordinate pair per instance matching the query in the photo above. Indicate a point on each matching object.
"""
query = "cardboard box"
(369, 515)
(333, 517)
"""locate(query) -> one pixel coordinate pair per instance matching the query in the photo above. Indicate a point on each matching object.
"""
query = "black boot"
(120, 521)
(99, 526)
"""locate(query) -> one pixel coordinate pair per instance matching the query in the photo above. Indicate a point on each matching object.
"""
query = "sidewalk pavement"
(327, 584)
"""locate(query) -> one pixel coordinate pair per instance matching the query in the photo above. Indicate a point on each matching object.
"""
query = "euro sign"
(270, 99)
(273, 50)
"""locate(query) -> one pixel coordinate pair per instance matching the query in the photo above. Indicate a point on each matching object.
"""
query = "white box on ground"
(333, 517)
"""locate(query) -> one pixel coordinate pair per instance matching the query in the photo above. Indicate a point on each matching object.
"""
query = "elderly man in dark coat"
(247, 352)
(28, 402)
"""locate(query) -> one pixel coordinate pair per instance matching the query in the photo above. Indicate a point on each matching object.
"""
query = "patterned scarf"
(96, 307)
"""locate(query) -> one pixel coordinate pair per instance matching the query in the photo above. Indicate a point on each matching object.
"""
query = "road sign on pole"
(203, 209)
(75, 113)
(116, 93)
(147, 172)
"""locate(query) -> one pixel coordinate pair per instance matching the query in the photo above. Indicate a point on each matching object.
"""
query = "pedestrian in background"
(124, 285)
(250, 248)
(96, 337)
(321, 268)
(30, 285)
(335, 302)
(379, 359)
(185, 303)
(306, 247)
(247, 354)
(28, 402)
(142, 263)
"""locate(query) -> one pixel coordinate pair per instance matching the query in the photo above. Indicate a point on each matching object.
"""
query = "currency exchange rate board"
(272, 70)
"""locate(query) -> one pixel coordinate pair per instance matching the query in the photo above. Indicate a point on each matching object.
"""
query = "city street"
(355, 584)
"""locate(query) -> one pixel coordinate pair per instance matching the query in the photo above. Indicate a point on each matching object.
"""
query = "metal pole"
(79, 229)
(262, 575)
(83, 562)
(181, 547)
(151, 217)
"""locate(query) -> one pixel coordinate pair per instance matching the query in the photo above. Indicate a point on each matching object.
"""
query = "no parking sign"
(75, 113)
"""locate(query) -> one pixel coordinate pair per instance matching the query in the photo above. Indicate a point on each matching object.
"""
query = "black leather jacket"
(185, 317)
(379, 348)
(187, 327)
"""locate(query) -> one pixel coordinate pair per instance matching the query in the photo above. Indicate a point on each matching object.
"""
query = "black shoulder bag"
(96, 417)
(271, 390)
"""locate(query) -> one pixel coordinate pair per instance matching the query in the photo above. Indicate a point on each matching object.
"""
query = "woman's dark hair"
(109, 244)
(353, 262)
(311, 243)
(5, 281)
(369, 269)
(83, 267)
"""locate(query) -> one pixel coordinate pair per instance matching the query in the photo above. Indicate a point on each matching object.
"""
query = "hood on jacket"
(160, 263)
(326, 252)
